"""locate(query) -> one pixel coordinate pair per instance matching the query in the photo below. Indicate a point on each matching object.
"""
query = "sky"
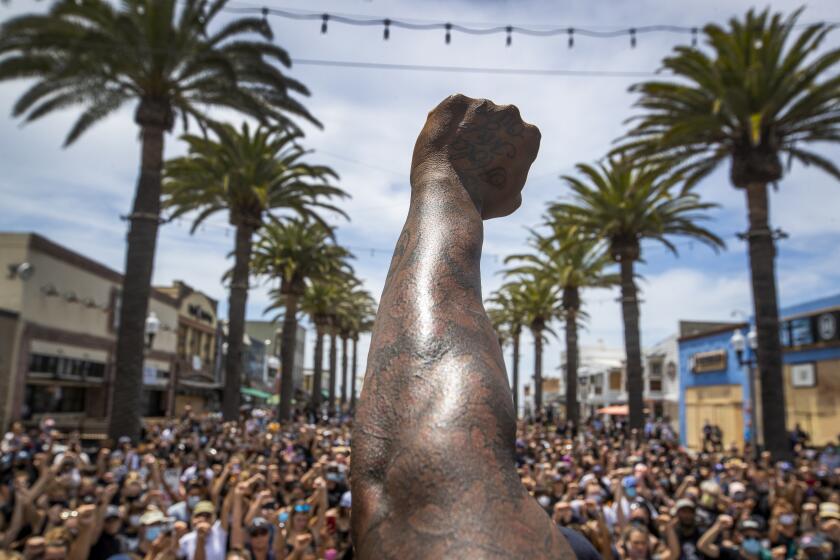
(76, 196)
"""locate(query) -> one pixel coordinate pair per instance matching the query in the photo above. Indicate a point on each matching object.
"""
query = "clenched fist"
(488, 147)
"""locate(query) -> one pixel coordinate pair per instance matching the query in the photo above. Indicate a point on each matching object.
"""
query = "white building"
(600, 377)
(661, 379)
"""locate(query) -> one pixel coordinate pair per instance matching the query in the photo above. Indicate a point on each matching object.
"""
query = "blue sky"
(76, 196)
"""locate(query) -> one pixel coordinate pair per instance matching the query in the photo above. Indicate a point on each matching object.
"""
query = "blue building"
(715, 387)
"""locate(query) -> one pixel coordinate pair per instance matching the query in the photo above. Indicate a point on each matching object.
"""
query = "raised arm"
(433, 473)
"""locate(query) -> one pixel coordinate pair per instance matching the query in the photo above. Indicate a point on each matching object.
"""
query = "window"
(153, 403)
(655, 385)
(41, 365)
(45, 399)
(615, 380)
(655, 368)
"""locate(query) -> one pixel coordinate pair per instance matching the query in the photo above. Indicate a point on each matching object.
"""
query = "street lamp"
(152, 328)
(739, 343)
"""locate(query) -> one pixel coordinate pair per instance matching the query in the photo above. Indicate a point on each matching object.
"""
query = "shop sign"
(705, 362)
(803, 375)
(820, 328)
(827, 326)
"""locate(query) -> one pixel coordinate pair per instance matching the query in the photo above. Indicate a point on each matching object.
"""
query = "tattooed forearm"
(433, 464)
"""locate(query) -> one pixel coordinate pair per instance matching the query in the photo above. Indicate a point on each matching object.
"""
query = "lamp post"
(739, 343)
(152, 328)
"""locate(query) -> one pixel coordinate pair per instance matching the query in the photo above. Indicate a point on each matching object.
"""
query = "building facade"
(600, 378)
(197, 380)
(661, 380)
(715, 386)
(59, 316)
(270, 334)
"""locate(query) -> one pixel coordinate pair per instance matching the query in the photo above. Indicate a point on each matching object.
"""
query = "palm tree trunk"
(632, 343)
(571, 304)
(769, 352)
(134, 301)
(516, 373)
(353, 374)
(343, 370)
(236, 322)
(538, 393)
(333, 372)
(287, 358)
(317, 370)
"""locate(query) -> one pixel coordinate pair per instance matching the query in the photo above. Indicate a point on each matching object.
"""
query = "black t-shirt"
(582, 548)
(105, 547)
(688, 542)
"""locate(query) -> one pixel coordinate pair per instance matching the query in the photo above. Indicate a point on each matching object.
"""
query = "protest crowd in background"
(197, 488)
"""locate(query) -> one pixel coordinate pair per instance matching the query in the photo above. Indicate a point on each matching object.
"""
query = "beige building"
(58, 324)
(197, 374)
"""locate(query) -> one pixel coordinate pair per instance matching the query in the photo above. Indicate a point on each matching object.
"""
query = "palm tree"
(344, 285)
(365, 307)
(506, 313)
(575, 262)
(99, 56)
(319, 299)
(761, 94)
(294, 252)
(538, 298)
(624, 204)
(252, 176)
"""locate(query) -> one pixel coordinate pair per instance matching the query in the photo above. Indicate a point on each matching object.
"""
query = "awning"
(615, 410)
(255, 393)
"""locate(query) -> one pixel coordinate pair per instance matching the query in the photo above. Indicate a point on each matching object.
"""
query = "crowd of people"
(200, 489)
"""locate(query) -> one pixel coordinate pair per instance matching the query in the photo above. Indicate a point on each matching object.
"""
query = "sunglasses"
(302, 508)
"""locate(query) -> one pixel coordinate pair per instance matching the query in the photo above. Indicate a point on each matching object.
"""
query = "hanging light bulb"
(265, 20)
(632, 38)
(448, 37)
(693, 36)
(509, 39)
(386, 34)
(571, 33)
(324, 19)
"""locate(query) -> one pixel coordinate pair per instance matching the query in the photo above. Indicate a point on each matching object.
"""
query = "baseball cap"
(152, 516)
(684, 503)
(112, 511)
(736, 487)
(259, 524)
(829, 510)
(629, 481)
(749, 525)
(204, 506)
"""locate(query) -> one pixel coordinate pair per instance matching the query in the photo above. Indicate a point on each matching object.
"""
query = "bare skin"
(434, 473)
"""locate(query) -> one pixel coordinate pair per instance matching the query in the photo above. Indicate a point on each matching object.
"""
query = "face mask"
(707, 501)
(192, 501)
(152, 533)
(631, 492)
(751, 546)
(134, 520)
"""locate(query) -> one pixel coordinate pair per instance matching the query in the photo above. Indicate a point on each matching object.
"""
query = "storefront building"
(59, 315)
(716, 386)
(197, 375)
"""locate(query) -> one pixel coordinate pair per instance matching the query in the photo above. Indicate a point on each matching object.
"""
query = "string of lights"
(448, 27)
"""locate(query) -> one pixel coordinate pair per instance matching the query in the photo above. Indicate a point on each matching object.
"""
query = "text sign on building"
(818, 329)
(705, 362)
(803, 375)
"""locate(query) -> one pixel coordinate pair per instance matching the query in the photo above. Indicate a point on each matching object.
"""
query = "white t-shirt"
(215, 544)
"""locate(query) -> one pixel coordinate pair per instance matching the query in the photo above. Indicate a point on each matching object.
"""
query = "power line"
(475, 70)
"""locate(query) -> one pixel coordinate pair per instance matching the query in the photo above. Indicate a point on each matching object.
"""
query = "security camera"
(22, 270)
